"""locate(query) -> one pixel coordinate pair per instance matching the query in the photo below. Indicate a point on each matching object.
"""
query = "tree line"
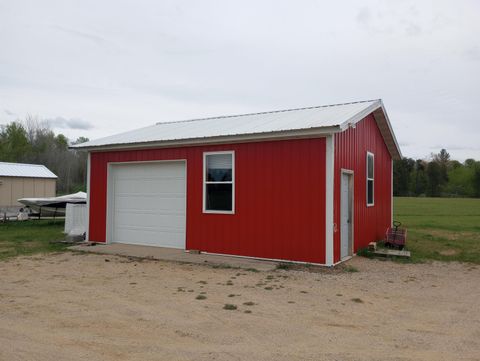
(437, 177)
(34, 142)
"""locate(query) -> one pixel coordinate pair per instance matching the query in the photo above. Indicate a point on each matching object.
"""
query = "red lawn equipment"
(395, 236)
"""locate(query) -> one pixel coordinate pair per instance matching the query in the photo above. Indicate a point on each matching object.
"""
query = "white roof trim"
(284, 124)
(381, 117)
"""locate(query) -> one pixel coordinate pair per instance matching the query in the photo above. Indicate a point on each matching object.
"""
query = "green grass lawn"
(30, 237)
(445, 229)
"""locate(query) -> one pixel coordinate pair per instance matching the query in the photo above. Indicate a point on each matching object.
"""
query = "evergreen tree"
(434, 174)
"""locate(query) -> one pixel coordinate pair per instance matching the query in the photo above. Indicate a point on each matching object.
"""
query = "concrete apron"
(176, 255)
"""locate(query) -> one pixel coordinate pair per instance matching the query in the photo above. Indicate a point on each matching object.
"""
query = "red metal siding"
(351, 146)
(279, 199)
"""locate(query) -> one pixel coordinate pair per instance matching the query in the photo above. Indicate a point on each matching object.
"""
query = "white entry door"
(147, 203)
(346, 215)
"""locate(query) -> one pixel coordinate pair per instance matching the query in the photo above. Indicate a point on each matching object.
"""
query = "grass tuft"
(284, 266)
(350, 269)
(229, 306)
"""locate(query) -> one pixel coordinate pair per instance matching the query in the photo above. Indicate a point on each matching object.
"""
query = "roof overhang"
(377, 109)
(241, 138)
(384, 125)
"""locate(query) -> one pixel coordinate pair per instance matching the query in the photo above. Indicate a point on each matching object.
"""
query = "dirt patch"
(452, 235)
(448, 252)
(75, 308)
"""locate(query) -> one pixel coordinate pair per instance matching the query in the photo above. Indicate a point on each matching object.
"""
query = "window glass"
(370, 191)
(219, 168)
(219, 197)
(370, 166)
(370, 179)
(218, 185)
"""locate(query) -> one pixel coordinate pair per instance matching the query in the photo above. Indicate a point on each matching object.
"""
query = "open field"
(30, 237)
(73, 306)
(445, 229)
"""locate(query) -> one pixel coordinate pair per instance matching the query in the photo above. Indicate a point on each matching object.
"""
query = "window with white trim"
(370, 178)
(218, 188)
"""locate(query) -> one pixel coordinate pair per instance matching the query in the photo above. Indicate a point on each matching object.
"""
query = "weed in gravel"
(249, 303)
(201, 297)
(229, 306)
(284, 266)
(357, 300)
(350, 269)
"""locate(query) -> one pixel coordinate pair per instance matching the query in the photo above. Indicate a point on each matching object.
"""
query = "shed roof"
(305, 122)
(25, 170)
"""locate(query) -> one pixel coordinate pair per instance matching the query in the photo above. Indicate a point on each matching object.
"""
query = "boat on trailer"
(51, 206)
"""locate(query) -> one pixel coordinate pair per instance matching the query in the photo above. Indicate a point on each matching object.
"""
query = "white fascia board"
(229, 139)
(387, 120)
(360, 116)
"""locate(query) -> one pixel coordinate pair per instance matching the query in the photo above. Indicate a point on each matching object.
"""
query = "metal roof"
(25, 170)
(325, 119)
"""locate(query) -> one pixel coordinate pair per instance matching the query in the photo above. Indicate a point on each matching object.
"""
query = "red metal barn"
(307, 185)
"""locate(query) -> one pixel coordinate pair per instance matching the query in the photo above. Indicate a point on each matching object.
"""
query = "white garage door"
(147, 204)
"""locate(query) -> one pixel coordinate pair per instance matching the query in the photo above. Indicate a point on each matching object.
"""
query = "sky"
(96, 68)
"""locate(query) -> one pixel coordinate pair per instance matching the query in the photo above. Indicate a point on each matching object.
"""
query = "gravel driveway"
(73, 306)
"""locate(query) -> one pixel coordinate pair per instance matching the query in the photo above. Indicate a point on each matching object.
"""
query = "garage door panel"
(147, 219)
(148, 203)
(146, 170)
(150, 185)
(152, 237)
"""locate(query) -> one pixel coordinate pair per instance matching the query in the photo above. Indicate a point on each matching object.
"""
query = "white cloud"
(72, 123)
(125, 65)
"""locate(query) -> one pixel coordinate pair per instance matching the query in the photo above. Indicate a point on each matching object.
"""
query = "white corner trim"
(329, 181)
(87, 225)
(391, 195)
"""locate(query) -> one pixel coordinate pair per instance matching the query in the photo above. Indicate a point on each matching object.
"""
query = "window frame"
(205, 182)
(370, 179)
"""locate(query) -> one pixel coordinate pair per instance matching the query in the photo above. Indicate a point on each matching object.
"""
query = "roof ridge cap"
(267, 112)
